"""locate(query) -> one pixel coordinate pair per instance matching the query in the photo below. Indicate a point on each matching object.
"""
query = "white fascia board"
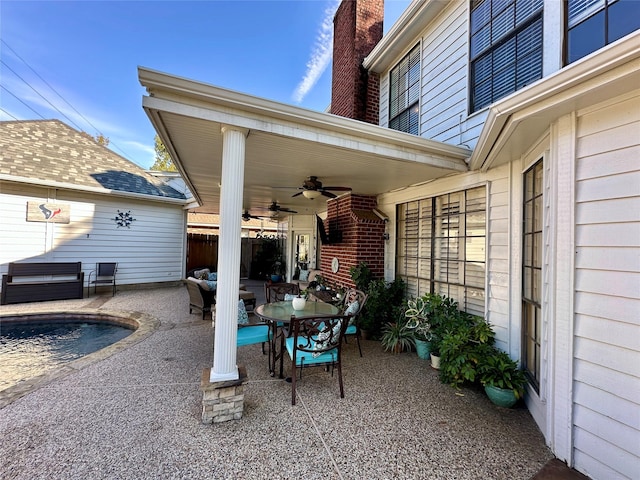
(403, 34)
(94, 190)
(586, 82)
(157, 123)
(187, 97)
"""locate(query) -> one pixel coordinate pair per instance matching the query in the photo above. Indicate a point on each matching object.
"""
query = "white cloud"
(320, 56)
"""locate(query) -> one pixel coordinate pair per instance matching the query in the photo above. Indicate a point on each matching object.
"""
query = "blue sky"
(77, 60)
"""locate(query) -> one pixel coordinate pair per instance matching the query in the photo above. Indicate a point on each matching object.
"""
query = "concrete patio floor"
(135, 412)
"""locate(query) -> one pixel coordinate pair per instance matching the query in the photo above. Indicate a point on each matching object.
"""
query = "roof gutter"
(96, 190)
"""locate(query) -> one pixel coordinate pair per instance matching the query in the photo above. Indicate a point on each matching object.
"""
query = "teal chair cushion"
(308, 358)
(351, 330)
(252, 334)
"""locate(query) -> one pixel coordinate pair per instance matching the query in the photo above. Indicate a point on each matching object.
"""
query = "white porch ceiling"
(285, 144)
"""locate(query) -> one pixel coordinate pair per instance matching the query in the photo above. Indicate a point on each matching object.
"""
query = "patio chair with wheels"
(316, 342)
(104, 274)
(354, 301)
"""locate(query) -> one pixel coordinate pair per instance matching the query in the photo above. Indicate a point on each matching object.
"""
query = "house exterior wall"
(498, 240)
(444, 86)
(587, 405)
(606, 356)
(151, 250)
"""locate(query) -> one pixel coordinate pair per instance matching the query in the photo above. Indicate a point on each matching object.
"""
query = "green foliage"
(463, 348)
(361, 276)
(397, 337)
(163, 159)
(384, 305)
(385, 300)
(497, 369)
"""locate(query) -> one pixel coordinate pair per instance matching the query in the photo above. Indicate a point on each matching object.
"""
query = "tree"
(163, 159)
(102, 140)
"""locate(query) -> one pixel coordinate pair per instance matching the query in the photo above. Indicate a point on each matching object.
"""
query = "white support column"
(224, 344)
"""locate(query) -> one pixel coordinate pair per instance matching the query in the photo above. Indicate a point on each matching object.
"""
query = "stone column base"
(222, 401)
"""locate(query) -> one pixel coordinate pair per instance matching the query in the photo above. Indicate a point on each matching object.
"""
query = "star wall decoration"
(124, 219)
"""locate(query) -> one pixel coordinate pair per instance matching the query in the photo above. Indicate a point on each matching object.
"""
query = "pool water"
(30, 349)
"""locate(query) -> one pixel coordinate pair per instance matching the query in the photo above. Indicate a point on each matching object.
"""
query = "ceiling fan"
(312, 188)
(246, 216)
(274, 208)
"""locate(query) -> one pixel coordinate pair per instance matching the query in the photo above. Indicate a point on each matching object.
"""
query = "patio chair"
(250, 333)
(104, 274)
(316, 342)
(275, 292)
(354, 301)
(199, 298)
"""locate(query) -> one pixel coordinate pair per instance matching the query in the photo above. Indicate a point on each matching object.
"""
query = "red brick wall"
(356, 31)
(362, 238)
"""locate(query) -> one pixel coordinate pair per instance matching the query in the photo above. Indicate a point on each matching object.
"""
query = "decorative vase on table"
(435, 361)
(503, 397)
(423, 349)
(298, 303)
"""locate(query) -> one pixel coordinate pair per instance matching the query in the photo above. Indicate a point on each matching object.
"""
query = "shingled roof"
(51, 151)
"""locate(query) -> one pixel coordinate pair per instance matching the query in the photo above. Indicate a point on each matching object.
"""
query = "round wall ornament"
(335, 265)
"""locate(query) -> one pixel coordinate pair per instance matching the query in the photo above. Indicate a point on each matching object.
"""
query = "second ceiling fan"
(312, 188)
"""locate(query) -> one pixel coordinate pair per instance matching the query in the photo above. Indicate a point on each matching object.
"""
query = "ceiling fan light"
(311, 194)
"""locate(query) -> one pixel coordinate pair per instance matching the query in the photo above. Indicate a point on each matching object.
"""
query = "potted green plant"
(397, 337)
(502, 379)
(417, 316)
(465, 344)
(300, 301)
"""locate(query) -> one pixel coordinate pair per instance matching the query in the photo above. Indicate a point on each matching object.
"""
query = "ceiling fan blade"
(338, 189)
(296, 194)
(288, 210)
(328, 194)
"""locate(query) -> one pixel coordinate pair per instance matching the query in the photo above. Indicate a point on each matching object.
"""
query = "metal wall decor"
(124, 219)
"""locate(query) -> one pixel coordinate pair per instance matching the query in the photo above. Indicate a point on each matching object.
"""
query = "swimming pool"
(31, 345)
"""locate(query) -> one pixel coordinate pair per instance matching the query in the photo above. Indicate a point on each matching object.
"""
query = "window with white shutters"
(441, 247)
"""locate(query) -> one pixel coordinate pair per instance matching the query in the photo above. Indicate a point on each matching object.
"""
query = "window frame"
(499, 75)
(409, 108)
(586, 15)
(532, 304)
(428, 268)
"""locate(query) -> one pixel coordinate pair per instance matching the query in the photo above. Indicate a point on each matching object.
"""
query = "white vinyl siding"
(151, 250)
(444, 77)
(607, 291)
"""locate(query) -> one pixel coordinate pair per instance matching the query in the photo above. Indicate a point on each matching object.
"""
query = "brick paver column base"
(222, 401)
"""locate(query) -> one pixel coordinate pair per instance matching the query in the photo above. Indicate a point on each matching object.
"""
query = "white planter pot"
(435, 362)
(298, 303)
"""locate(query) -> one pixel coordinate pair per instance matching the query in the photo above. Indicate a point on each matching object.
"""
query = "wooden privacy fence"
(202, 251)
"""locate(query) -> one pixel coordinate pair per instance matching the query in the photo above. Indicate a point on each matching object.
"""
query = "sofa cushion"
(304, 276)
(199, 273)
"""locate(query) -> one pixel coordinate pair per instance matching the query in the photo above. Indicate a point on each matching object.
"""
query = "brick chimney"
(356, 234)
(357, 29)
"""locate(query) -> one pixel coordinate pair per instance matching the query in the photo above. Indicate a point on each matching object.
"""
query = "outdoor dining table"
(278, 316)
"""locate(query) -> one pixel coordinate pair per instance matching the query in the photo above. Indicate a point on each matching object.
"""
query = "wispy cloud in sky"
(321, 54)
